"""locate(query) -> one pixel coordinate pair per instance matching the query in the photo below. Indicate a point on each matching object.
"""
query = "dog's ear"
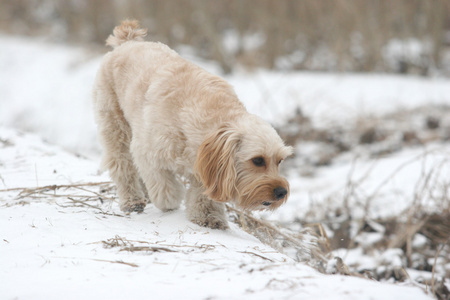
(215, 164)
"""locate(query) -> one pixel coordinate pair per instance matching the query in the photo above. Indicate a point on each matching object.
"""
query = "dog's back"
(151, 74)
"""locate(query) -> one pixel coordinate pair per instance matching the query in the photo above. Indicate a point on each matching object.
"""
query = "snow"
(392, 184)
(333, 98)
(56, 251)
(53, 248)
(55, 81)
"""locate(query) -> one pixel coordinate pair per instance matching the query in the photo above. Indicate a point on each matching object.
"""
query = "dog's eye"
(259, 161)
(280, 161)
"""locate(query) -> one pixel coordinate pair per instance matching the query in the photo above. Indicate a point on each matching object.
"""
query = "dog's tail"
(128, 30)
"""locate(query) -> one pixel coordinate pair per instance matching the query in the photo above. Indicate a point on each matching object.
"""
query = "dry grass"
(307, 245)
(311, 34)
(74, 195)
(130, 246)
(370, 136)
(420, 235)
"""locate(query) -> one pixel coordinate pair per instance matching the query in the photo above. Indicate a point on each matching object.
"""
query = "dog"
(164, 122)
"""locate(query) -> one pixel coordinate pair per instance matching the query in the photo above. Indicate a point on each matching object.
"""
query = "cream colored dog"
(162, 118)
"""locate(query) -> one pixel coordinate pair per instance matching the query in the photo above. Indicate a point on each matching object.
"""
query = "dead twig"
(146, 248)
(433, 273)
(54, 187)
(115, 262)
(102, 260)
(84, 203)
(256, 254)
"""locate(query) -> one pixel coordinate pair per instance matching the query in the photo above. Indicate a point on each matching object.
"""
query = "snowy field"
(64, 237)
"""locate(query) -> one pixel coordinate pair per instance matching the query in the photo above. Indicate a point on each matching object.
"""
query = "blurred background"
(402, 36)
(360, 88)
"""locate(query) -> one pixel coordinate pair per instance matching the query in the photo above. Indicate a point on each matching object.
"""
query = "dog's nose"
(279, 192)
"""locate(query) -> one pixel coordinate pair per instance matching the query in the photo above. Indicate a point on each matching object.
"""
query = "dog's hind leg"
(115, 136)
(203, 211)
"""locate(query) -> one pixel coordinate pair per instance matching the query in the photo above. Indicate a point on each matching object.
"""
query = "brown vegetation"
(312, 34)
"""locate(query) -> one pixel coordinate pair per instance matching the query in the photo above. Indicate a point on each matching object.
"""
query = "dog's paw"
(212, 222)
(130, 207)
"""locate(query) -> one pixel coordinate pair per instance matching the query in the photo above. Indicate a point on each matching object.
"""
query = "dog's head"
(239, 162)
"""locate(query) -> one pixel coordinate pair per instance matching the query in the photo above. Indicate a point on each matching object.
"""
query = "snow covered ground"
(53, 248)
(74, 242)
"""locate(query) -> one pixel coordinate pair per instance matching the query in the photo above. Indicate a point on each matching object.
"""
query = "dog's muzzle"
(278, 193)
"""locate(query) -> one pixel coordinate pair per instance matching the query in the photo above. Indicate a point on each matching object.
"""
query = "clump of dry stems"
(306, 244)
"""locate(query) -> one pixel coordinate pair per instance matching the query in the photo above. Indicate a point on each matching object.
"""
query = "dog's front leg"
(203, 211)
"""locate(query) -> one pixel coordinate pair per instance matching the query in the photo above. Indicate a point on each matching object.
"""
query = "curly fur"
(161, 117)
